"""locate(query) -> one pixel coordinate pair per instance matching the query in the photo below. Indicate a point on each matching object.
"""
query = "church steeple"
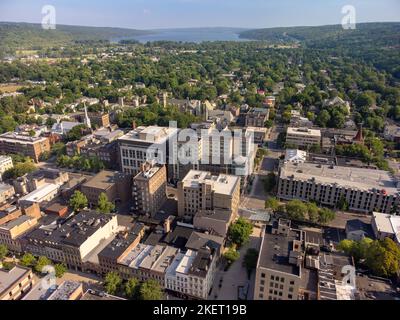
(87, 119)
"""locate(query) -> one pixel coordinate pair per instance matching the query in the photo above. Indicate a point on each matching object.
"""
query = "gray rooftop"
(349, 177)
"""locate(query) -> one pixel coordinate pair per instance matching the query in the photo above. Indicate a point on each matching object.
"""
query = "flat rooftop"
(135, 257)
(40, 193)
(275, 250)
(222, 184)
(20, 138)
(16, 222)
(151, 134)
(304, 132)
(104, 179)
(65, 290)
(8, 278)
(353, 178)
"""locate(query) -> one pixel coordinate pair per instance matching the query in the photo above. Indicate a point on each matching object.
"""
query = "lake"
(190, 35)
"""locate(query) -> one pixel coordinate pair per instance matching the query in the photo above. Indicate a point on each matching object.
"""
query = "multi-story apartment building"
(200, 190)
(364, 190)
(192, 273)
(116, 185)
(32, 147)
(303, 137)
(279, 265)
(386, 226)
(72, 241)
(15, 283)
(6, 163)
(149, 188)
(143, 144)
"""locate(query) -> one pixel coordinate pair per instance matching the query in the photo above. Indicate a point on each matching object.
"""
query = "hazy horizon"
(185, 14)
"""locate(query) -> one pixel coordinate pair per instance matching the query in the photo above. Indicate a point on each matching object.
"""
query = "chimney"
(167, 225)
(134, 124)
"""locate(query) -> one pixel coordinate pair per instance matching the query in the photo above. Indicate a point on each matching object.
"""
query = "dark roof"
(199, 240)
(358, 225)
(275, 250)
(201, 262)
(178, 237)
(121, 242)
(74, 231)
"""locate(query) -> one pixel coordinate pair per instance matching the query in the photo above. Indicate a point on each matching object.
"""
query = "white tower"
(87, 120)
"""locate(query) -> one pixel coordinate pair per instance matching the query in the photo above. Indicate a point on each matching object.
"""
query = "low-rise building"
(11, 231)
(26, 145)
(215, 221)
(6, 163)
(192, 273)
(46, 192)
(386, 226)
(256, 117)
(303, 137)
(117, 186)
(72, 241)
(15, 283)
(6, 192)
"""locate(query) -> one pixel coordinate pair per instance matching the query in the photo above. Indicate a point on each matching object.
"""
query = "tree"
(28, 260)
(104, 206)
(60, 268)
(383, 257)
(347, 246)
(132, 288)
(326, 215)
(342, 204)
(41, 263)
(323, 118)
(112, 282)
(231, 255)
(151, 290)
(296, 209)
(240, 231)
(272, 203)
(19, 170)
(250, 260)
(312, 212)
(3, 251)
(78, 201)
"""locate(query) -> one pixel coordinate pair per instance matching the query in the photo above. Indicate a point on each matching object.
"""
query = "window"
(261, 288)
(261, 296)
(290, 296)
(262, 282)
(272, 278)
(262, 275)
(292, 282)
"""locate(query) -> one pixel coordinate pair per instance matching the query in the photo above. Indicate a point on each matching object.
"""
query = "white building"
(46, 192)
(303, 137)
(144, 144)
(64, 127)
(295, 156)
(192, 273)
(6, 163)
(386, 226)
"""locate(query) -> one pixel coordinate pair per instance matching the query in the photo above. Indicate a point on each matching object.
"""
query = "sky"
(154, 14)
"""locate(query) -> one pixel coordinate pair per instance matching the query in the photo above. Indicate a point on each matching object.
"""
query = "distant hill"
(331, 35)
(30, 35)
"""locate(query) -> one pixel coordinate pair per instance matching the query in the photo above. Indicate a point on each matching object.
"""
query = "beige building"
(200, 190)
(6, 192)
(12, 230)
(33, 147)
(15, 283)
(279, 265)
(386, 226)
(303, 137)
(364, 190)
(6, 163)
(117, 186)
(149, 188)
